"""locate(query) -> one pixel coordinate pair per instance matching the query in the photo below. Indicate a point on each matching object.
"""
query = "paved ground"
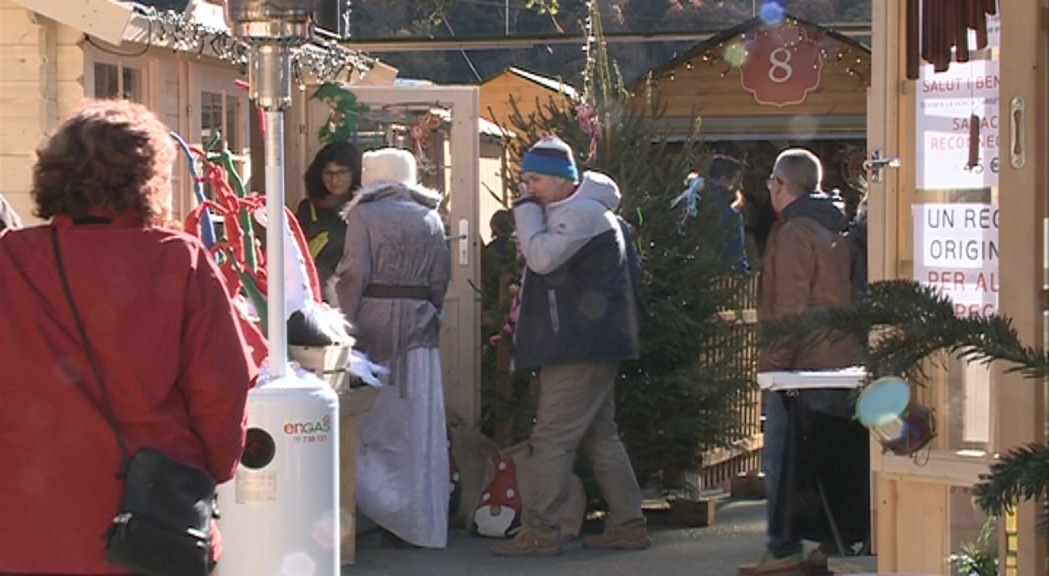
(735, 538)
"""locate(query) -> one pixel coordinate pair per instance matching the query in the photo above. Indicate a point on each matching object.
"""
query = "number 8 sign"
(783, 65)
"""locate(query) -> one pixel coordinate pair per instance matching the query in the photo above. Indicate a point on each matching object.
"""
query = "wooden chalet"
(528, 90)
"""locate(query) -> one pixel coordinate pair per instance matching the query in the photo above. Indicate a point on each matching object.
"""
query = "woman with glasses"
(331, 180)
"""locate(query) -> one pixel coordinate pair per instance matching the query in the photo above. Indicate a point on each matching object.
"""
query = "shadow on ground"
(735, 538)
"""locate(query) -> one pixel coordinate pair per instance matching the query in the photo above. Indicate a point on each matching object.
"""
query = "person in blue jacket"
(722, 183)
(577, 322)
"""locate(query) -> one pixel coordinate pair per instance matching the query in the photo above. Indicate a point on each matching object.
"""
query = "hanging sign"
(946, 104)
(783, 65)
(956, 252)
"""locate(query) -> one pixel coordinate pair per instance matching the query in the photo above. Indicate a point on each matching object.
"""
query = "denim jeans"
(776, 430)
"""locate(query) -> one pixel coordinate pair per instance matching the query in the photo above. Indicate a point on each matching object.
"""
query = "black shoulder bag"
(163, 527)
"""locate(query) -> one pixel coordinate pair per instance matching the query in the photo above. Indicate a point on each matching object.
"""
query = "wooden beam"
(517, 42)
(104, 19)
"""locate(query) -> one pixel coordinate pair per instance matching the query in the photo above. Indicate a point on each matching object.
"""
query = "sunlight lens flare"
(772, 13)
(735, 54)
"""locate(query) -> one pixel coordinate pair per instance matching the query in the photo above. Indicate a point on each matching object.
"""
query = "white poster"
(956, 252)
(946, 103)
(994, 33)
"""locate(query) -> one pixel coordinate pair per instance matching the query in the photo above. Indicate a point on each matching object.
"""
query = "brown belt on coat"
(395, 292)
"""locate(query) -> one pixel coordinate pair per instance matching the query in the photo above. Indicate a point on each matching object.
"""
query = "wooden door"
(461, 327)
(990, 214)
(1025, 254)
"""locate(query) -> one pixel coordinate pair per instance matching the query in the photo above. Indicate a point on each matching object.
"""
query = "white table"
(841, 379)
(851, 377)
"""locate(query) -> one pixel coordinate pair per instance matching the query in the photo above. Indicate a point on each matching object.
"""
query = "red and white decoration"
(499, 513)
(782, 66)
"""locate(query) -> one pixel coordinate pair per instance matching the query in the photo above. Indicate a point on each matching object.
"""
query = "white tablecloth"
(851, 377)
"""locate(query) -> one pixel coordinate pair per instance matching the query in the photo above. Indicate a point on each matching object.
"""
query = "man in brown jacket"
(806, 267)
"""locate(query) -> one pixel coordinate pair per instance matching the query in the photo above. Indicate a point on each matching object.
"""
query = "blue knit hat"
(552, 157)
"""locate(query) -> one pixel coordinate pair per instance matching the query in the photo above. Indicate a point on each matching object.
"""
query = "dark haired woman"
(332, 178)
(159, 323)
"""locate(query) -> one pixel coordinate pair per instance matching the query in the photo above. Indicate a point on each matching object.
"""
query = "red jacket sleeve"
(217, 368)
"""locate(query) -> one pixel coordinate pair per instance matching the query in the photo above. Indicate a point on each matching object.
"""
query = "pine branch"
(914, 322)
(1022, 474)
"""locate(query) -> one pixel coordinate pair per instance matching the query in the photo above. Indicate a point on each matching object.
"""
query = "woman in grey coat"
(390, 285)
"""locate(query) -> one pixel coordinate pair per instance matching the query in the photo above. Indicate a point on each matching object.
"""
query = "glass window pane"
(210, 126)
(953, 233)
(106, 85)
(232, 134)
(132, 89)
(210, 117)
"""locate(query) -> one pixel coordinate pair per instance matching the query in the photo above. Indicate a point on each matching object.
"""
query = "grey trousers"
(576, 412)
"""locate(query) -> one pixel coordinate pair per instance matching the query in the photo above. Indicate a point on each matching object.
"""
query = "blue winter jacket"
(577, 300)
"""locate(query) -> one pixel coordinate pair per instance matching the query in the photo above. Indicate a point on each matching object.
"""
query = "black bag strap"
(125, 458)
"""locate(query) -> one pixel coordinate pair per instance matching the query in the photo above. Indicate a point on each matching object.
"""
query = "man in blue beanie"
(577, 321)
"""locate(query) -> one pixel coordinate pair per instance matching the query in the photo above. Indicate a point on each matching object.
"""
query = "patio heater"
(273, 30)
(280, 514)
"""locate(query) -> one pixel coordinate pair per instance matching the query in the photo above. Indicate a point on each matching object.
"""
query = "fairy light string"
(319, 61)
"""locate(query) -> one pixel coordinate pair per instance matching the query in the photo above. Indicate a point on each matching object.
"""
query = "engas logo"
(321, 426)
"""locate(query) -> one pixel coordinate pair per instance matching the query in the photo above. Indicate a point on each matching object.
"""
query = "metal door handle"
(878, 163)
(1017, 114)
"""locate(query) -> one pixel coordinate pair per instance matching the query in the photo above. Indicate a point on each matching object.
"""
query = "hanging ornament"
(689, 199)
(420, 134)
(591, 125)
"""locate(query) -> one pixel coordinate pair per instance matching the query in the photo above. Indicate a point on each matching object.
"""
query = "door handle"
(876, 165)
(1017, 117)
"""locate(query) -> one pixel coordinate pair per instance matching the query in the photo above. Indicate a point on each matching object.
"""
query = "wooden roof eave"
(753, 24)
(106, 20)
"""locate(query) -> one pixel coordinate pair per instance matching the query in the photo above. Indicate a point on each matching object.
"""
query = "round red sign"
(783, 65)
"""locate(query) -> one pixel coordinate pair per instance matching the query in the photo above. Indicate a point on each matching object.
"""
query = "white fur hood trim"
(420, 194)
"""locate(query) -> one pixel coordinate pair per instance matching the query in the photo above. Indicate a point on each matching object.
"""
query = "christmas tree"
(683, 396)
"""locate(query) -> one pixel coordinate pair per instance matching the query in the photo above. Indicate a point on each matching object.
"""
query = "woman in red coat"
(157, 315)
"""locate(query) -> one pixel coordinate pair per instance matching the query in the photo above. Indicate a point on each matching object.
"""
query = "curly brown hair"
(112, 157)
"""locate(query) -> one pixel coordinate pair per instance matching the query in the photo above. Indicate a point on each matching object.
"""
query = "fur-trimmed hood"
(391, 173)
(380, 190)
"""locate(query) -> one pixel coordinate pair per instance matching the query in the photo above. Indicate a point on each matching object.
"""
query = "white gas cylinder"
(280, 514)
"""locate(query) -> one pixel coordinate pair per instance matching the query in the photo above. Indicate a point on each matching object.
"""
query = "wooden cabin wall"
(716, 89)
(492, 191)
(497, 92)
(702, 90)
(41, 81)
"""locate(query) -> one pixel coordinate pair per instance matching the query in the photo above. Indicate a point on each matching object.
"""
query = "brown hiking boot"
(769, 564)
(527, 543)
(632, 535)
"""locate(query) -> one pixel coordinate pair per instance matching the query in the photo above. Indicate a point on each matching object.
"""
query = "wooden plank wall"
(497, 92)
(492, 193)
(41, 81)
